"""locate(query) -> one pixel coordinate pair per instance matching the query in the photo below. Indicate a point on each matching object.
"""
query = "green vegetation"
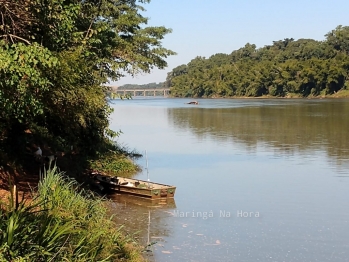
(145, 86)
(115, 162)
(287, 68)
(60, 224)
(55, 57)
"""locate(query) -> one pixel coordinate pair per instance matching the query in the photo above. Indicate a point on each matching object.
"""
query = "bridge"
(144, 92)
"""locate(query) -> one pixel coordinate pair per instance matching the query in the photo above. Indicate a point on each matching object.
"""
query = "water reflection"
(289, 128)
(274, 157)
(148, 218)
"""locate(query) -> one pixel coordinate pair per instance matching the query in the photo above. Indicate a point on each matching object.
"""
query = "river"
(257, 179)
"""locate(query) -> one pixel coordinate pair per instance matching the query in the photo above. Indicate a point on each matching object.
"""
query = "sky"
(204, 28)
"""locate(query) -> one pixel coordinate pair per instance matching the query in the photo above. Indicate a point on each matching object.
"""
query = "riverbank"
(71, 192)
(339, 94)
(62, 222)
(66, 221)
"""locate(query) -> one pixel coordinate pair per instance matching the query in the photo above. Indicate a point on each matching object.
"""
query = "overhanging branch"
(14, 36)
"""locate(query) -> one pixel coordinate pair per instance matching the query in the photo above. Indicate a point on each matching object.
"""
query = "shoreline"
(342, 94)
(269, 97)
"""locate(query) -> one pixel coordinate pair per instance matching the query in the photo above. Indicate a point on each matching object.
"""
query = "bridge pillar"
(134, 93)
(144, 92)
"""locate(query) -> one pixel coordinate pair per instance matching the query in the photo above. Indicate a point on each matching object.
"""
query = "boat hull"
(136, 187)
(147, 193)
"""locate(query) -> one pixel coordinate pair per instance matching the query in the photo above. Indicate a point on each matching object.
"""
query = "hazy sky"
(204, 28)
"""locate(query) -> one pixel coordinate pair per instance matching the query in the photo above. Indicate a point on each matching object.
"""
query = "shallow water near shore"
(257, 179)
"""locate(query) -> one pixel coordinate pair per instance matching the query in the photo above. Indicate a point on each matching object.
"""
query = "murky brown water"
(257, 180)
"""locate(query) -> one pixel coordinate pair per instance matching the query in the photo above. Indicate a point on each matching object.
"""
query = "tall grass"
(61, 223)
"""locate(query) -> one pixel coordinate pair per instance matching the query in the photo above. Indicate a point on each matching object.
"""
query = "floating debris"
(216, 244)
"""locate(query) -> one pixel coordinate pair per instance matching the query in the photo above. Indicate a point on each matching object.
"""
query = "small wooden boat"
(133, 200)
(135, 187)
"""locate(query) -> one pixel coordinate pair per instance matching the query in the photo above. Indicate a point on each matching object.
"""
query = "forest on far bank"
(287, 68)
(153, 85)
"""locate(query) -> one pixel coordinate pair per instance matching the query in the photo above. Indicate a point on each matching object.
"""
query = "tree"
(303, 67)
(57, 54)
(339, 39)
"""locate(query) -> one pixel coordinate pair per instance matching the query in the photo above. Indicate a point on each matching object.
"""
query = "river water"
(257, 179)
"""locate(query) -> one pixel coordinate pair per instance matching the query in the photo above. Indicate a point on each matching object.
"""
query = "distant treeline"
(287, 68)
(145, 86)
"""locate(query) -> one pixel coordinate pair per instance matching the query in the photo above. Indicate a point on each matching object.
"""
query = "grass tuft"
(61, 223)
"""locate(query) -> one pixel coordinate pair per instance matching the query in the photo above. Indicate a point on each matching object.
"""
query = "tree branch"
(14, 36)
(93, 19)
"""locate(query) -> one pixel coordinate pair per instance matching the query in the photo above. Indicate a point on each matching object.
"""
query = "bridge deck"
(144, 92)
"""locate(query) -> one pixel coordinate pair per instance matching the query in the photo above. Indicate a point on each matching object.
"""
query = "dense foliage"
(286, 68)
(55, 56)
(60, 224)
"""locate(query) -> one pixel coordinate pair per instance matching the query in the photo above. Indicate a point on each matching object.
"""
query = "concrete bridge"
(144, 92)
